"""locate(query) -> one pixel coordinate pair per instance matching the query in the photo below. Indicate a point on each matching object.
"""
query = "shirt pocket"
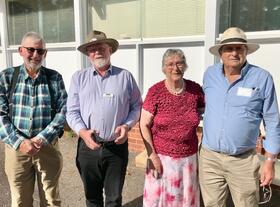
(254, 105)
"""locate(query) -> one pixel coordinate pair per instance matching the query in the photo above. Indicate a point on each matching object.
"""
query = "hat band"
(233, 40)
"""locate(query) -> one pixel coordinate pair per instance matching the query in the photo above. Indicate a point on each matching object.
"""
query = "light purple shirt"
(103, 103)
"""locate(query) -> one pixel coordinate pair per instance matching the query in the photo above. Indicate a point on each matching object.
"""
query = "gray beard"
(100, 63)
(33, 67)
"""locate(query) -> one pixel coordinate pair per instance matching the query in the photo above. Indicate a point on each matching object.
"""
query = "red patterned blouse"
(175, 118)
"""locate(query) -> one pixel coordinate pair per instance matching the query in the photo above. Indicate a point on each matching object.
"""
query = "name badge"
(244, 91)
(108, 95)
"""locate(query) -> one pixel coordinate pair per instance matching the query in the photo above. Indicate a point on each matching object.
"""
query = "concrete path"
(71, 188)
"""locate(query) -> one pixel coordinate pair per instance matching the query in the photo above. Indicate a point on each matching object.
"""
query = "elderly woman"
(170, 116)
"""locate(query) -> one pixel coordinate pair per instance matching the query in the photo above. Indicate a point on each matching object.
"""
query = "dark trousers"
(102, 168)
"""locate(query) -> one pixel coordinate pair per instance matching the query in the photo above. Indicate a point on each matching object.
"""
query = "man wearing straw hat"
(238, 97)
(104, 103)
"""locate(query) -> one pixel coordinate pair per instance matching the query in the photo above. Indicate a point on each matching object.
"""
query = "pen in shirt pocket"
(255, 88)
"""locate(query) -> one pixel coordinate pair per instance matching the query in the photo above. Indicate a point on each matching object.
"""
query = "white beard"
(100, 63)
(33, 67)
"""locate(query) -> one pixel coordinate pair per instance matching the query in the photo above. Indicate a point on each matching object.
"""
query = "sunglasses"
(265, 194)
(31, 50)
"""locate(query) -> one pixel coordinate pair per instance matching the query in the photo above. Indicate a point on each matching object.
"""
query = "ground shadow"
(137, 202)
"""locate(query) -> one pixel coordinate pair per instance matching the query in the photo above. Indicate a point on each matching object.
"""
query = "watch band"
(272, 159)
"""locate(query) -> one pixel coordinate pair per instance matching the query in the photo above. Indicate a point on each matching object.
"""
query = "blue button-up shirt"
(234, 111)
(103, 103)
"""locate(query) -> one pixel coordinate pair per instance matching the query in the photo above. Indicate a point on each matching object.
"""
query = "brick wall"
(135, 142)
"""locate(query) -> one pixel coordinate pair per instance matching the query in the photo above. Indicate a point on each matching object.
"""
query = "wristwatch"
(271, 158)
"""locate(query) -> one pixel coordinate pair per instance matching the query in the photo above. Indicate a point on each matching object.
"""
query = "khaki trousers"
(220, 174)
(22, 170)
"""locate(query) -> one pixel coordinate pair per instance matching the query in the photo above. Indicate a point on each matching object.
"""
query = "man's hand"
(268, 173)
(28, 147)
(37, 142)
(86, 136)
(121, 134)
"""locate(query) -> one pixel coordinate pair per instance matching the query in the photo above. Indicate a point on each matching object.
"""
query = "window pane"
(53, 19)
(148, 18)
(165, 18)
(250, 15)
(117, 18)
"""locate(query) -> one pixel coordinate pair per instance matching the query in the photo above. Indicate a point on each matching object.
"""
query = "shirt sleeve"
(135, 104)
(271, 119)
(150, 101)
(73, 114)
(55, 127)
(8, 132)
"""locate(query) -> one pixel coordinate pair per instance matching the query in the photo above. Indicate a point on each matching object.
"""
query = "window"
(249, 15)
(53, 19)
(131, 19)
(119, 19)
(165, 18)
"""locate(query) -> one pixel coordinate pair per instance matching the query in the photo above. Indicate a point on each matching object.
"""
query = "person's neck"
(102, 70)
(231, 73)
(32, 72)
(175, 87)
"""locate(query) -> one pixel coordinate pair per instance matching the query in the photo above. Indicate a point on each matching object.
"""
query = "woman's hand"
(156, 165)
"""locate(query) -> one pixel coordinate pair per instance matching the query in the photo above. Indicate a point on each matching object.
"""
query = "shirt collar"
(108, 72)
(244, 69)
(26, 76)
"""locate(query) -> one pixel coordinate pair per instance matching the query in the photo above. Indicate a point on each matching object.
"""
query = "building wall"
(142, 53)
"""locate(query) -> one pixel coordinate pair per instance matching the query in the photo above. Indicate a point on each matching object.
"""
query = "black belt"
(102, 142)
(106, 143)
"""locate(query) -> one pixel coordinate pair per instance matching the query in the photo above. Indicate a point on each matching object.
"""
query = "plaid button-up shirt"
(31, 112)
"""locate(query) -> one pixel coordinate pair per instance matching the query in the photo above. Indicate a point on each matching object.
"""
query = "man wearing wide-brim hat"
(103, 104)
(238, 97)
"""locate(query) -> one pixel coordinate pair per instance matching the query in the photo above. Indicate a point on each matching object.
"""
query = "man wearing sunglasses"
(32, 116)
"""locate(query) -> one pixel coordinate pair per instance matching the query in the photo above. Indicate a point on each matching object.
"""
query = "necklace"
(174, 91)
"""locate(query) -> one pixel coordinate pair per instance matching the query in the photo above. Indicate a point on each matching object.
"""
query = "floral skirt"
(177, 187)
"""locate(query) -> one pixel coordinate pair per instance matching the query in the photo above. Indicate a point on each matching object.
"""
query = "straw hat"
(96, 37)
(233, 35)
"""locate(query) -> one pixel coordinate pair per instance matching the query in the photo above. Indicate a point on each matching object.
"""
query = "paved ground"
(71, 187)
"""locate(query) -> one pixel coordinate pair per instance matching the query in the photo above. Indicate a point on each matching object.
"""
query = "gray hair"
(172, 52)
(34, 36)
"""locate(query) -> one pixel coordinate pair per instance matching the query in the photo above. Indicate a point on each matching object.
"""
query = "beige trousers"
(22, 170)
(220, 174)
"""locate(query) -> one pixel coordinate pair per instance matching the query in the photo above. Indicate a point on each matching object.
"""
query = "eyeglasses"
(265, 194)
(177, 64)
(95, 49)
(31, 50)
(229, 48)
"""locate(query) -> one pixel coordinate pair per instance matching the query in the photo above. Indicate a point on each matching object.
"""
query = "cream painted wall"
(2, 65)
(152, 72)
(268, 58)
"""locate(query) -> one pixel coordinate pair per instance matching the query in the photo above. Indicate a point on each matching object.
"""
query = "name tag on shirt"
(244, 91)
(108, 95)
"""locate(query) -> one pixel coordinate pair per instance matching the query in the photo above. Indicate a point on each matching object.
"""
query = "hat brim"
(252, 47)
(114, 44)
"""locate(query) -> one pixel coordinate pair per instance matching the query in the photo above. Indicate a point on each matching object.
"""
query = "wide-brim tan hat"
(234, 35)
(97, 37)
